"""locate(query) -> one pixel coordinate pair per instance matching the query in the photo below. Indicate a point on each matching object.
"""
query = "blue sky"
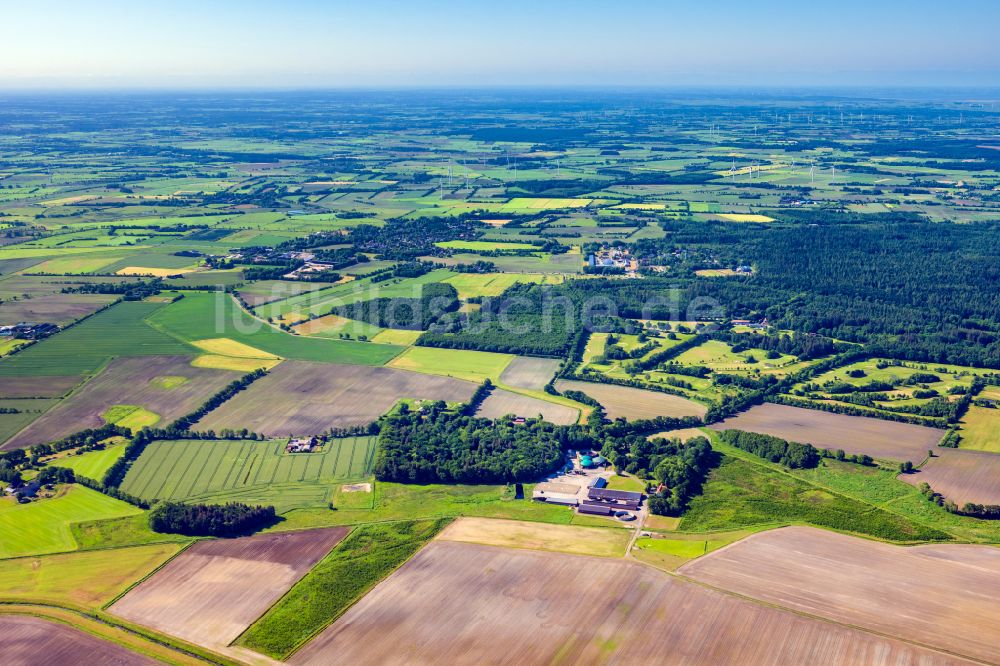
(388, 43)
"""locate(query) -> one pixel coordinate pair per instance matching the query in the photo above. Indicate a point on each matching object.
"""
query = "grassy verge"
(363, 559)
(398, 501)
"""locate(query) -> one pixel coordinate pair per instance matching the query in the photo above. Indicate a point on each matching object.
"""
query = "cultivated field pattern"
(528, 372)
(213, 591)
(469, 604)
(633, 403)
(947, 598)
(32, 641)
(184, 469)
(501, 403)
(961, 476)
(127, 381)
(301, 398)
(853, 434)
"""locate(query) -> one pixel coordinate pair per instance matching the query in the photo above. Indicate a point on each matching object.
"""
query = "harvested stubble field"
(37, 387)
(824, 430)
(944, 596)
(214, 590)
(58, 309)
(131, 381)
(598, 541)
(456, 603)
(32, 641)
(633, 403)
(186, 469)
(300, 397)
(528, 372)
(961, 476)
(501, 403)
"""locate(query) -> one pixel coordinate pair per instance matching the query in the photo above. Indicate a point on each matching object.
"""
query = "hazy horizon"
(385, 44)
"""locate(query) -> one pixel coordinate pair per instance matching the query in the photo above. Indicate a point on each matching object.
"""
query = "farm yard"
(456, 602)
(633, 403)
(23, 638)
(867, 584)
(165, 387)
(202, 595)
(501, 403)
(247, 470)
(302, 398)
(853, 434)
(961, 476)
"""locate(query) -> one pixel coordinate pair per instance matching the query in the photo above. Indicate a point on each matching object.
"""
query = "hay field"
(205, 594)
(961, 476)
(126, 381)
(529, 372)
(633, 403)
(32, 641)
(61, 309)
(501, 403)
(981, 429)
(460, 603)
(947, 598)
(824, 430)
(469, 364)
(301, 397)
(89, 578)
(597, 541)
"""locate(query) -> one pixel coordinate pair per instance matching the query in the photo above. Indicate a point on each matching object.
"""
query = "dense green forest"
(438, 446)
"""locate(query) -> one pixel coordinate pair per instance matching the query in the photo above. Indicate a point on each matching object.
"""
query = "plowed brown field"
(213, 591)
(944, 596)
(458, 603)
(824, 430)
(961, 476)
(32, 641)
(633, 403)
(299, 397)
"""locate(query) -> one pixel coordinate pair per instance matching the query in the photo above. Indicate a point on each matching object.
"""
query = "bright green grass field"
(92, 464)
(217, 315)
(245, 470)
(117, 331)
(460, 363)
(43, 526)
